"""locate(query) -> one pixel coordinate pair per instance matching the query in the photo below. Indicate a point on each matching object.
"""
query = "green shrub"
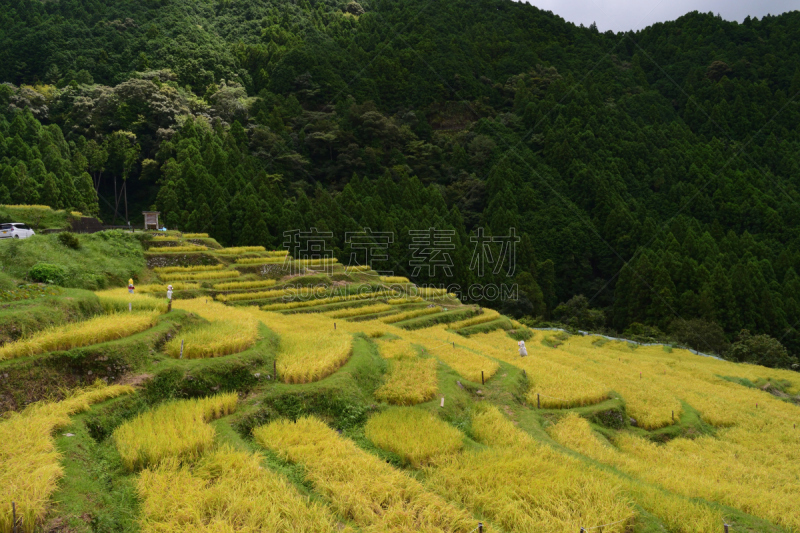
(69, 240)
(47, 273)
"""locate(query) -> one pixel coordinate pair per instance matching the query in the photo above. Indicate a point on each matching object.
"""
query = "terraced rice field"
(353, 434)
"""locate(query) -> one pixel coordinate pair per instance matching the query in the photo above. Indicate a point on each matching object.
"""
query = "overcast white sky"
(623, 15)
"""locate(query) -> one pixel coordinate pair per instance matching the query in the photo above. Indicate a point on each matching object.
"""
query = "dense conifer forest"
(652, 176)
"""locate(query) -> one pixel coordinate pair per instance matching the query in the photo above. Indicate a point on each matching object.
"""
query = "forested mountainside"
(654, 172)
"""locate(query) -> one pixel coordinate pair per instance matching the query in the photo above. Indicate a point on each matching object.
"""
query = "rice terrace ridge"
(397, 266)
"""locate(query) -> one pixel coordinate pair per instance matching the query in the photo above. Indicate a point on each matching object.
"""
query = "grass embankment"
(52, 375)
(30, 309)
(104, 259)
(39, 217)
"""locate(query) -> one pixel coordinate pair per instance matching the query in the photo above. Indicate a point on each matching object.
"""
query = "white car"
(15, 230)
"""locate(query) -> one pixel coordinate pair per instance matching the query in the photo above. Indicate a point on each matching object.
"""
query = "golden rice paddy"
(177, 429)
(30, 462)
(415, 435)
(358, 485)
(95, 330)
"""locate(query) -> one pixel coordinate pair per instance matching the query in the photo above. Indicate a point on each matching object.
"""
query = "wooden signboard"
(151, 219)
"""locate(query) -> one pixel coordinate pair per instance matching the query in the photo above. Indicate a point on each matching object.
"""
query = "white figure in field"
(169, 292)
(522, 350)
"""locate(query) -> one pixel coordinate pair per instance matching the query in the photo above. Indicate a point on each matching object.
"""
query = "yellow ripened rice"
(29, 462)
(415, 435)
(199, 276)
(95, 330)
(358, 485)
(242, 285)
(310, 348)
(359, 311)
(171, 249)
(177, 429)
(237, 250)
(193, 268)
(525, 486)
(227, 490)
(230, 330)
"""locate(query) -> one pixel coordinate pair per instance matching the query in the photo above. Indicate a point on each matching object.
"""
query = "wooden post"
(275, 369)
(538, 401)
(482, 381)
(181, 357)
(454, 344)
(524, 374)
(442, 403)
(334, 326)
(14, 516)
(169, 306)
(673, 417)
(480, 527)
(130, 307)
(726, 528)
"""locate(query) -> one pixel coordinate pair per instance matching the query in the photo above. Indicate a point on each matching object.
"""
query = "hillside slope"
(653, 172)
(332, 398)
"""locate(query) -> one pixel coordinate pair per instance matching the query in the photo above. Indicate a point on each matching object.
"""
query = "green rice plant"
(199, 276)
(95, 330)
(31, 465)
(240, 285)
(175, 249)
(238, 250)
(195, 235)
(357, 268)
(194, 268)
(415, 435)
(164, 238)
(178, 429)
(391, 319)
(359, 311)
